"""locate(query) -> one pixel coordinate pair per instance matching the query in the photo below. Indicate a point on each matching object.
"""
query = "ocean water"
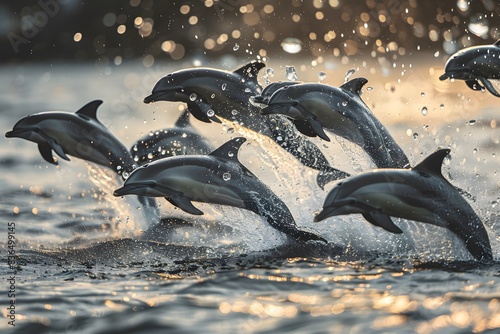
(87, 262)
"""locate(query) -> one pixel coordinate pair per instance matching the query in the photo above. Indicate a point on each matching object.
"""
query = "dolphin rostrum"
(217, 178)
(475, 65)
(421, 194)
(314, 107)
(210, 93)
(182, 139)
(77, 134)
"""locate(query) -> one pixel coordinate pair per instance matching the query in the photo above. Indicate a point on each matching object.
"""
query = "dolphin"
(78, 134)
(475, 65)
(421, 194)
(182, 139)
(314, 107)
(217, 178)
(212, 93)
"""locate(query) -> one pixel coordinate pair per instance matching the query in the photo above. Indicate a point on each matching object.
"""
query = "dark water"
(90, 263)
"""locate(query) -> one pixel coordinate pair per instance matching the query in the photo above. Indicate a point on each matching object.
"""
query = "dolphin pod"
(315, 107)
(77, 134)
(420, 194)
(181, 139)
(217, 178)
(210, 94)
(476, 65)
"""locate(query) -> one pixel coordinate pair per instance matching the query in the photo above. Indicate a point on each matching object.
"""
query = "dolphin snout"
(443, 77)
(131, 188)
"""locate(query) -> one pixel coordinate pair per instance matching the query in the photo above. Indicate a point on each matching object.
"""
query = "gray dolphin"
(212, 92)
(420, 194)
(314, 107)
(217, 178)
(209, 93)
(77, 134)
(475, 65)
(182, 139)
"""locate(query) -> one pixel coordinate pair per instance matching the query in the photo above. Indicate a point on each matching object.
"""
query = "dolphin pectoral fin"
(90, 109)
(46, 152)
(304, 128)
(184, 204)
(473, 84)
(58, 149)
(197, 113)
(317, 128)
(489, 86)
(378, 218)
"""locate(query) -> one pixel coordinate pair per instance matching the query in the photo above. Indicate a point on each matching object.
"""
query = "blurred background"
(110, 32)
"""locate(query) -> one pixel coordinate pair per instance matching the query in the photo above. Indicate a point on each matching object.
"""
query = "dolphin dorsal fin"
(354, 86)
(250, 70)
(90, 109)
(183, 120)
(229, 150)
(432, 164)
(497, 43)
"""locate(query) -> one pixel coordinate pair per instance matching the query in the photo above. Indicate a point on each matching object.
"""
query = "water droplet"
(224, 86)
(349, 74)
(230, 130)
(463, 5)
(125, 175)
(415, 136)
(291, 45)
(321, 76)
(471, 122)
(422, 94)
(290, 73)
(135, 148)
(441, 106)
(193, 97)
(210, 112)
(136, 158)
(474, 151)
(479, 25)
(344, 103)
(279, 138)
(424, 111)
(230, 154)
(236, 47)
(234, 112)
(150, 155)
(425, 127)
(118, 167)
(270, 72)
(248, 90)
(212, 96)
(369, 88)
(226, 176)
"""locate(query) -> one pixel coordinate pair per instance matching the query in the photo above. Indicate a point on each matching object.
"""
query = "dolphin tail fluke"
(328, 175)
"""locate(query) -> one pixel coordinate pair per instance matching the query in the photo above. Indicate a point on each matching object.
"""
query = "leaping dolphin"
(212, 93)
(217, 178)
(77, 134)
(421, 194)
(475, 65)
(182, 139)
(314, 107)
